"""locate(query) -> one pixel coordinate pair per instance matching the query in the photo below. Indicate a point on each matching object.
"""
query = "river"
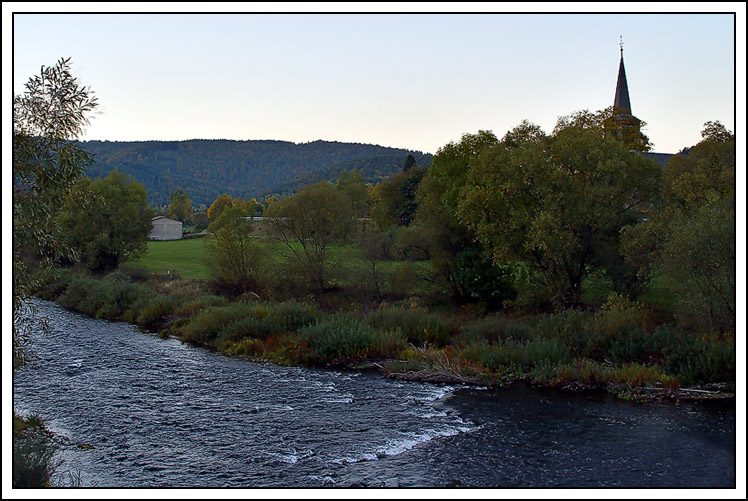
(159, 413)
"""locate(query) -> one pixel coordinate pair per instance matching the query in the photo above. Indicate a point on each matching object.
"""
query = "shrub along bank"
(621, 347)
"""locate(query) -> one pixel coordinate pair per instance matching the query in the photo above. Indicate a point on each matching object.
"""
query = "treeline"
(527, 223)
(532, 221)
(249, 169)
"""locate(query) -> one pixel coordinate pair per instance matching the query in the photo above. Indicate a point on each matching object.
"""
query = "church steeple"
(622, 89)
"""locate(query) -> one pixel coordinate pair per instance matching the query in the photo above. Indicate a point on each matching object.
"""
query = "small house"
(164, 228)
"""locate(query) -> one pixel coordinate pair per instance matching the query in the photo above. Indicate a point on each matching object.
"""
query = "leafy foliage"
(556, 203)
(460, 263)
(33, 453)
(233, 254)
(314, 217)
(180, 205)
(52, 111)
(394, 200)
(691, 238)
(107, 221)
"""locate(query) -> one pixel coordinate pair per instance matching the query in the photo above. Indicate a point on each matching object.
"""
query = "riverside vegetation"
(564, 260)
(621, 347)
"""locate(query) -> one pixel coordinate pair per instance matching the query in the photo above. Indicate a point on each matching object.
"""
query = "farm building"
(164, 228)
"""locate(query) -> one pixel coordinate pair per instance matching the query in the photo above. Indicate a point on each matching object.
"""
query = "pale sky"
(415, 81)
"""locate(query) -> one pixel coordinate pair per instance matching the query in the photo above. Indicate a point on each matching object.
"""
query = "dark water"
(159, 413)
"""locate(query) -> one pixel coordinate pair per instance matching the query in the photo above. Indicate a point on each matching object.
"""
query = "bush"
(84, 294)
(33, 451)
(110, 298)
(418, 326)
(136, 272)
(247, 347)
(338, 338)
(290, 316)
(500, 357)
(155, 311)
(583, 371)
(545, 351)
(249, 327)
(189, 308)
(52, 283)
(205, 326)
(495, 328)
(696, 359)
(388, 343)
(120, 296)
(618, 330)
(637, 375)
(567, 326)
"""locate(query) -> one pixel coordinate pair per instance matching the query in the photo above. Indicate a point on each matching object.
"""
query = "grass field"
(186, 257)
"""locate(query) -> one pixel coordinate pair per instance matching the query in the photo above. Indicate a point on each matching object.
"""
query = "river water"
(159, 413)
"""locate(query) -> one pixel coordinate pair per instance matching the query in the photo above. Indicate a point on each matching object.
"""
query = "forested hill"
(206, 168)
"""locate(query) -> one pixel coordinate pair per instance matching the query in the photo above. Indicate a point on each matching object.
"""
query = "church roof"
(622, 89)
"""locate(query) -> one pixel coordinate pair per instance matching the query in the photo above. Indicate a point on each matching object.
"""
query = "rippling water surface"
(160, 413)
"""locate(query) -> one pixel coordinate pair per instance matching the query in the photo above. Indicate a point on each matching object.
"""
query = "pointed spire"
(622, 89)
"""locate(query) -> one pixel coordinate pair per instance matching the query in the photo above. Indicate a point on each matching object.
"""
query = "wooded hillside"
(207, 168)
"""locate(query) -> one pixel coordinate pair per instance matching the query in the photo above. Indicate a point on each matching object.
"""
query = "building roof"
(158, 218)
(622, 89)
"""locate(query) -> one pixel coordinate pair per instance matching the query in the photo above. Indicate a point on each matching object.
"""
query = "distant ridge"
(205, 168)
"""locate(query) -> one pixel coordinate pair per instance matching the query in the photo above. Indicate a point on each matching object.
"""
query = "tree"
(351, 184)
(233, 255)
(690, 239)
(220, 203)
(108, 221)
(458, 260)
(553, 202)
(47, 117)
(253, 208)
(199, 220)
(180, 205)
(375, 247)
(393, 202)
(611, 122)
(314, 217)
(410, 162)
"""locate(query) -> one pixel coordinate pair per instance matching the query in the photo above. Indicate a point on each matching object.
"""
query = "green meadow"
(186, 257)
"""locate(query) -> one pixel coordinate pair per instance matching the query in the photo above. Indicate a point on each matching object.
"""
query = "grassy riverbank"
(623, 347)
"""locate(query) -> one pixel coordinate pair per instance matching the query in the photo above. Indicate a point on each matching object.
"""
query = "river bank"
(132, 409)
(618, 349)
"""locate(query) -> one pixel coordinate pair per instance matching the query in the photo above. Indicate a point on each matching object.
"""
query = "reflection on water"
(161, 413)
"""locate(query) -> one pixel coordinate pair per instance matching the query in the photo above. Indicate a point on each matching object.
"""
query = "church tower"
(622, 100)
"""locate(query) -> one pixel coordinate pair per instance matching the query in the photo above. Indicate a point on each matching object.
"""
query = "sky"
(415, 81)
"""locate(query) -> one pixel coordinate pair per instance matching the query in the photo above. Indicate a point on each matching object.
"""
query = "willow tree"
(48, 116)
(307, 223)
(233, 254)
(556, 203)
(107, 221)
(457, 260)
